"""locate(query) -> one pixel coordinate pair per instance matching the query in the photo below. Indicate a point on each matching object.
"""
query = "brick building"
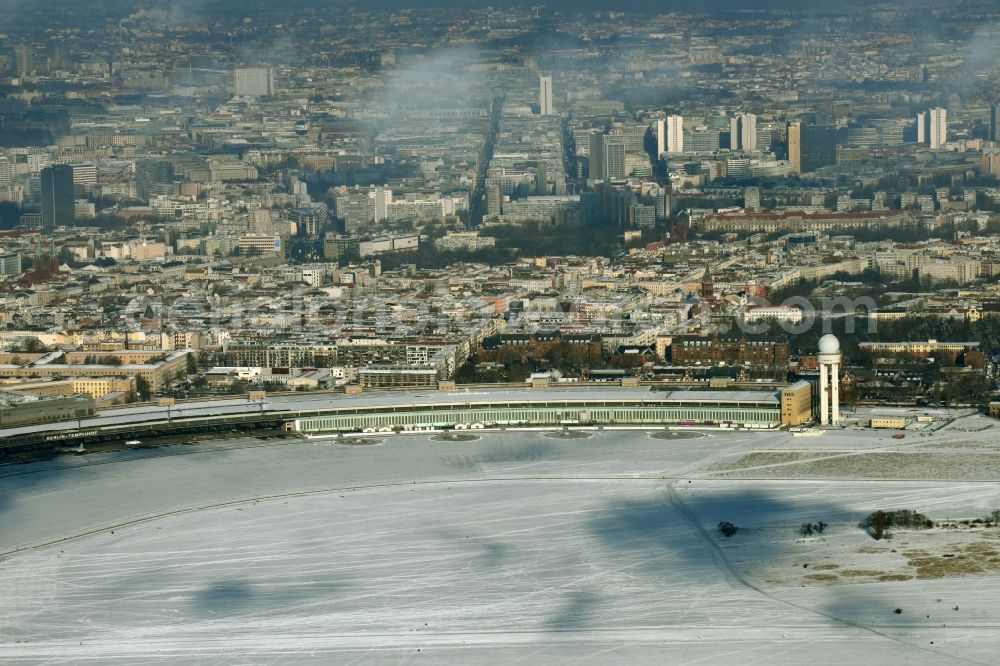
(690, 350)
(579, 347)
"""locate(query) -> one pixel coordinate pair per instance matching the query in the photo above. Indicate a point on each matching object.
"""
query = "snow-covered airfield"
(516, 547)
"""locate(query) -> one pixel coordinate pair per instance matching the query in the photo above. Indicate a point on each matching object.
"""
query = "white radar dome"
(829, 344)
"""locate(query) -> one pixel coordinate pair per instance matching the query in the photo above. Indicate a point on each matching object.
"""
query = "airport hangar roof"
(310, 402)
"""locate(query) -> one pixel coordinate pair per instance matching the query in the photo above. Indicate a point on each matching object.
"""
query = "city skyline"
(481, 333)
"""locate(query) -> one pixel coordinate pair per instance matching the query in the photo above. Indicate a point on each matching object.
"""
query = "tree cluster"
(879, 523)
(808, 529)
(727, 529)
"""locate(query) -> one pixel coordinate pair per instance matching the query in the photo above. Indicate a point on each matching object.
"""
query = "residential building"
(675, 134)
(253, 82)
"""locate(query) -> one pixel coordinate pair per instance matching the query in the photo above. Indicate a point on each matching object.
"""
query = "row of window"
(450, 418)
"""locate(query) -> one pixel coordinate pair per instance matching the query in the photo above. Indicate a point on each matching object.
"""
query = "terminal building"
(17, 409)
(791, 406)
(768, 407)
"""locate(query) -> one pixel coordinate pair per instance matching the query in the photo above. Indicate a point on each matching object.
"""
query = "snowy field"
(512, 548)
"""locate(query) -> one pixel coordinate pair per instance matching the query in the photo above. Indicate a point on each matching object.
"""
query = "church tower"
(707, 287)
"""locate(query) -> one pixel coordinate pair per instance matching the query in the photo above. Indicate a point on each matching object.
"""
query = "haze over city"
(482, 332)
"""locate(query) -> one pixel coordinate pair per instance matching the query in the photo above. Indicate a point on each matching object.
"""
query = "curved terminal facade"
(755, 409)
(315, 413)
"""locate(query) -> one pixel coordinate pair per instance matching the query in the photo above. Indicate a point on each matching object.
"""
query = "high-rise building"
(383, 199)
(701, 139)
(541, 179)
(738, 168)
(633, 134)
(614, 157)
(57, 55)
(10, 264)
(921, 128)
(743, 132)
(253, 82)
(84, 176)
(995, 121)
(24, 59)
(675, 134)
(661, 137)
(596, 156)
(545, 107)
(811, 147)
(356, 209)
(493, 200)
(6, 171)
(795, 146)
(990, 163)
(937, 134)
(58, 200)
(153, 178)
(308, 220)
